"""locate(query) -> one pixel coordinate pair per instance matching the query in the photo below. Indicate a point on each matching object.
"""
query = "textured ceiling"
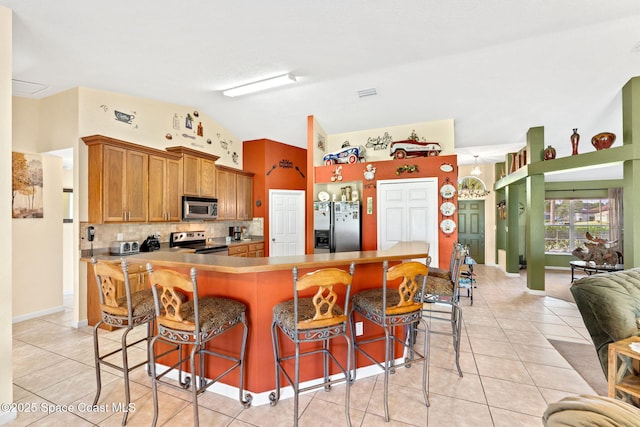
(497, 67)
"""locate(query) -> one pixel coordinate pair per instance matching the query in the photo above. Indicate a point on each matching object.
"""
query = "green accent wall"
(527, 185)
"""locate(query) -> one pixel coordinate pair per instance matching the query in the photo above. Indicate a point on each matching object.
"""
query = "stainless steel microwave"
(199, 208)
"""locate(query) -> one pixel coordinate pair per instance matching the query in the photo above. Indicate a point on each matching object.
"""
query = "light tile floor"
(511, 373)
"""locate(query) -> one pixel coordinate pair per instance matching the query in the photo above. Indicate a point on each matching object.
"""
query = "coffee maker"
(235, 232)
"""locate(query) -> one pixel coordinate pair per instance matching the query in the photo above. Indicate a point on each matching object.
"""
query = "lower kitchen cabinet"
(251, 250)
(137, 281)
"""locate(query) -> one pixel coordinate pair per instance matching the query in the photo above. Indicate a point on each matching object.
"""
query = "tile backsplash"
(107, 233)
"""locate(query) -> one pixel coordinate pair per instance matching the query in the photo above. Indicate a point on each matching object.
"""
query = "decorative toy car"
(412, 148)
(346, 154)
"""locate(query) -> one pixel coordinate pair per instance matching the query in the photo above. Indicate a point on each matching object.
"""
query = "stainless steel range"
(195, 240)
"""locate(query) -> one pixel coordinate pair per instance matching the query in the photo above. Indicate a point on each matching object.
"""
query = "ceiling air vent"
(367, 92)
(21, 87)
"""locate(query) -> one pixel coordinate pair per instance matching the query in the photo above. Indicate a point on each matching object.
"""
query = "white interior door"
(408, 211)
(286, 222)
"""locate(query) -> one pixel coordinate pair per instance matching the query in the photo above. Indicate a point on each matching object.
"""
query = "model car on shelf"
(412, 148)
(346, 154)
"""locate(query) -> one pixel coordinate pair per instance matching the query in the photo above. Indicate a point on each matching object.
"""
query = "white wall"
(37, 250)
(38, 243)
(6, 365)
(440, 131)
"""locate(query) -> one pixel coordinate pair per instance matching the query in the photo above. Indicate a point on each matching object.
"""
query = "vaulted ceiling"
(497, 67)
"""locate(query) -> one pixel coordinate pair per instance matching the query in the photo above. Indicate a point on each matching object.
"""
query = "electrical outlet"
(119, 237)
(359, 329)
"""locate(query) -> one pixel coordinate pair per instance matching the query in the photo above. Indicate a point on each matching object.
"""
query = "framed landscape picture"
(26, 186)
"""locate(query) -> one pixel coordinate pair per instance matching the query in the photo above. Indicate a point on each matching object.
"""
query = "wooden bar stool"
(193, 323)
(318, 318)
(394, 305)
(128, 311)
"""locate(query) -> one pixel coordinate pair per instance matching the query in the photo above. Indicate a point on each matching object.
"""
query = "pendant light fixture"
(476, 169)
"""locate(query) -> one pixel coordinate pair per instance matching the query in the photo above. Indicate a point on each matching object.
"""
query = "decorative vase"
(575, 139)
(603, 140)
(549, 153)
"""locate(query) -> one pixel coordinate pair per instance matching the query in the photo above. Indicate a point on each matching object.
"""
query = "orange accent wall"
(276, 166)
(428, 167)
(263, 157)
(260, 292)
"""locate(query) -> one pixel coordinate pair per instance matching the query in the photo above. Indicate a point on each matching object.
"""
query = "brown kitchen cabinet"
(137, 281)
(199, 172)
(118, 186)
(235, 194)
(255, 250)
(119, 182)
(244, 193)
(250, 250)
(165, 189)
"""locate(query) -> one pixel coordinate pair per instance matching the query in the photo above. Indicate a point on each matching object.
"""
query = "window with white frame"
(567, 221)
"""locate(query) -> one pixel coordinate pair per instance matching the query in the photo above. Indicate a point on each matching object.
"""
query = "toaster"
(124, 247)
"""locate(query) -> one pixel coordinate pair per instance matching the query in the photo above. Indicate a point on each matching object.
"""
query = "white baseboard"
(536, 292)
(36, 314)
(80, 324)
(262, 398)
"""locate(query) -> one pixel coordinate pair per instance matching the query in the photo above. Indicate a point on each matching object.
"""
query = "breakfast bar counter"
(261, 283)
(237, 265)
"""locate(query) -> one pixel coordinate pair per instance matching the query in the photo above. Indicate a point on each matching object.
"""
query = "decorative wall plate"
(448, 226)
(447, 191)
(323, 196)
(446, 167)
(447, 208)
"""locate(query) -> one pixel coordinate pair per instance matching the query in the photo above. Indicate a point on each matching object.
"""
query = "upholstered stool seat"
(313, 321)
(391, 306)
(134, 308)
(371, 302)
(214, 312)
(141, 304)
(284, 313)
(440, 273)
(446, 291)
(193, 323)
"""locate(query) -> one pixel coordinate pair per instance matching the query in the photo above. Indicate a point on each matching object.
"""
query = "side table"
(624, 371)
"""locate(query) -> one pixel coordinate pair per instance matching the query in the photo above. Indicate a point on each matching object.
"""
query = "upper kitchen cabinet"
(244, 193)
(199, 172)
(165, 188)
(118, 180)
(235, 194)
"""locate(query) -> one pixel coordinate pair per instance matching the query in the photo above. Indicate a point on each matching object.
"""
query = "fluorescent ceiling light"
(260, 85)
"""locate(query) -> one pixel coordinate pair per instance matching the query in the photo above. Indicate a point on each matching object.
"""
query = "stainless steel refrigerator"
(336, 226)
